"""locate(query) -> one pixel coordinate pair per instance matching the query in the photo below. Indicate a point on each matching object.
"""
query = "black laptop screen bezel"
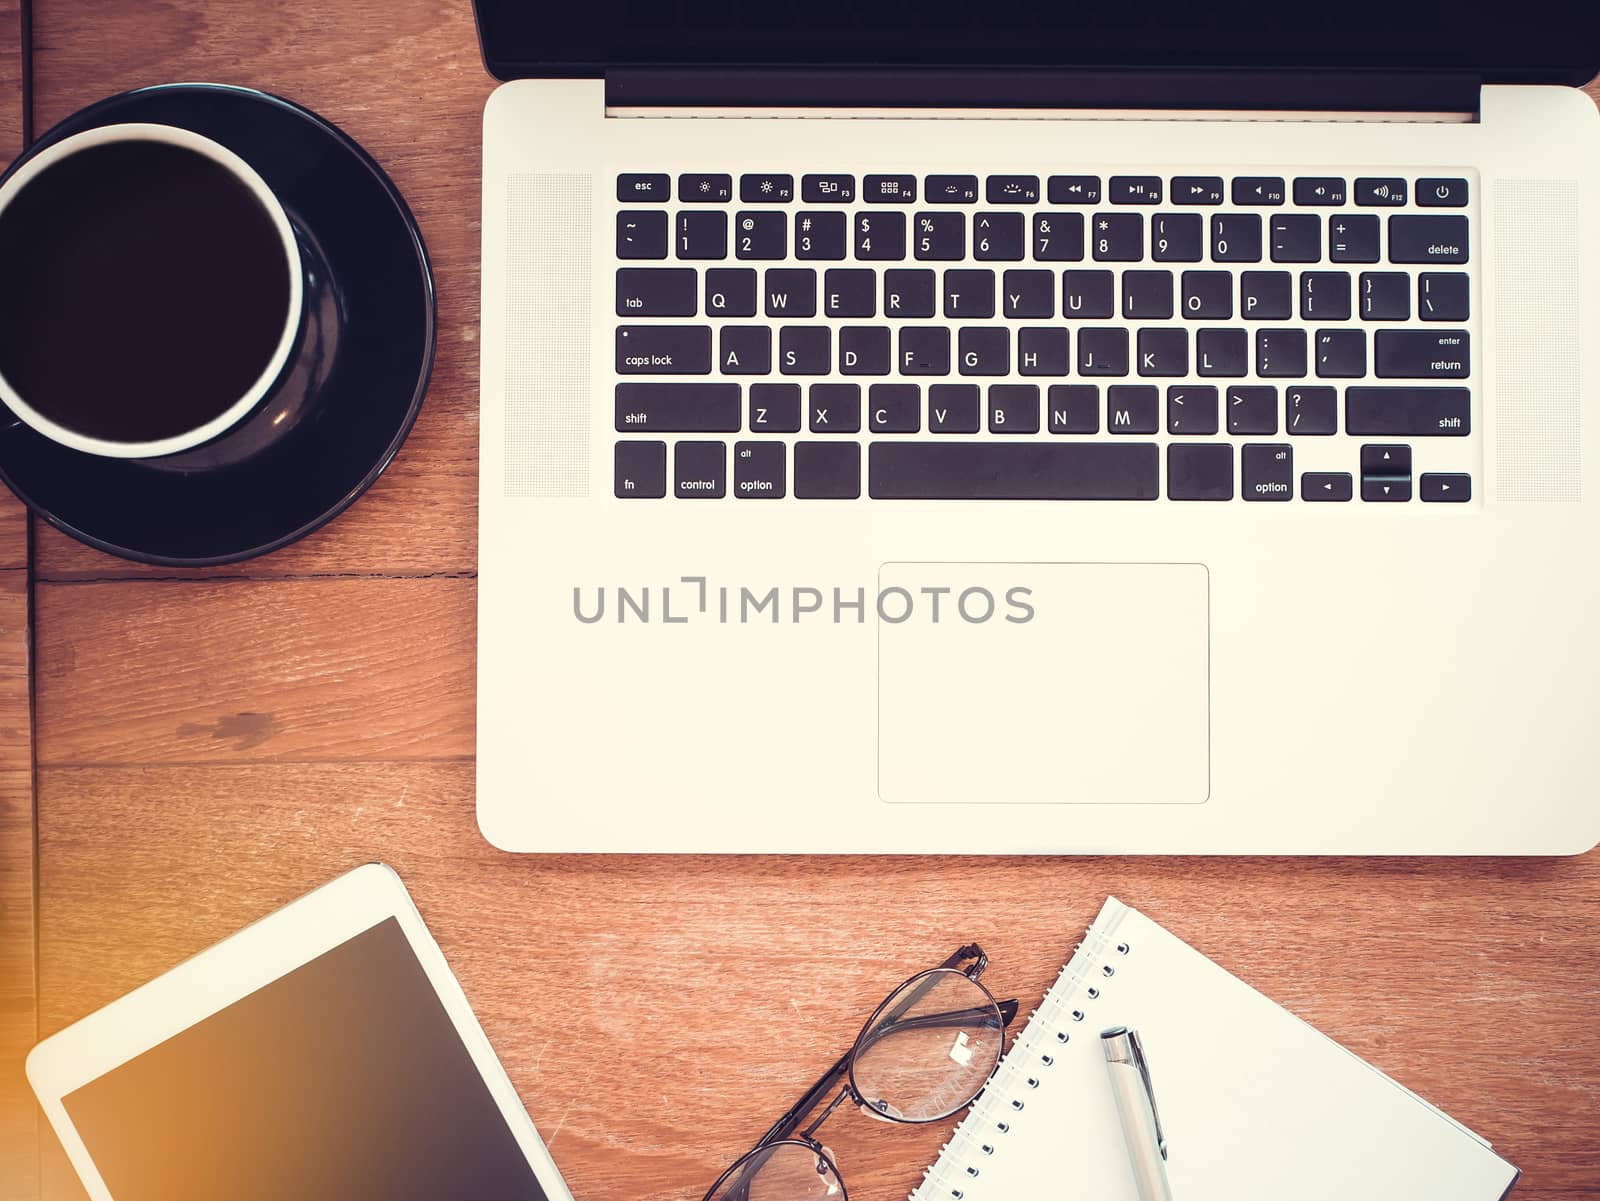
(1539, 41)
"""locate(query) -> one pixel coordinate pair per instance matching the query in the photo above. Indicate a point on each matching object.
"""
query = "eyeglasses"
(924, 1054)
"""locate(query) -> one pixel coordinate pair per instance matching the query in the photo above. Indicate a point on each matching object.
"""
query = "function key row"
(1245, 191)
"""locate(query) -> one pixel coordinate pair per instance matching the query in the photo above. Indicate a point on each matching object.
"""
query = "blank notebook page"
(1254, 1103)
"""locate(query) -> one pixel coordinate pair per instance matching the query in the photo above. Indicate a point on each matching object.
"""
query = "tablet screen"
(344, 1079)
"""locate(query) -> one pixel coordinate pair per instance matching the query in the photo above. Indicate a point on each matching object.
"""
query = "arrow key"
(1448, 487)
(1385, 459)
(1385, 487)
(1325, 485)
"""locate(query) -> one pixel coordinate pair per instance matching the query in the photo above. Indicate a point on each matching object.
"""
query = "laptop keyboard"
(1025, 337)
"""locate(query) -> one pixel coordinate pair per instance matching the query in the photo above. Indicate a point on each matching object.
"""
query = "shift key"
(678, 408)
(1423, 353)
(664, 350)
(1407, 412)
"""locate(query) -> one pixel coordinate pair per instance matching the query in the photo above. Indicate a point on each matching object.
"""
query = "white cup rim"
(172, 135)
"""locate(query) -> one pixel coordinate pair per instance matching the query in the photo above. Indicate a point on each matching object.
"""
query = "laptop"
(1015, 428)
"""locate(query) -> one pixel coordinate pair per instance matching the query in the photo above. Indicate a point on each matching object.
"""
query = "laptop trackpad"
(1089, 683)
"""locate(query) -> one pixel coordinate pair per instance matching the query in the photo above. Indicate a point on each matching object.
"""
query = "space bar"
(1013, 471)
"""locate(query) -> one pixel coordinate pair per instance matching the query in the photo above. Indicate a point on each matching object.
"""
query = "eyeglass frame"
(783, 1130)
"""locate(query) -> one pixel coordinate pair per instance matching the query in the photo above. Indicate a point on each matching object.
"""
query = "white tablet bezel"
(242, 964)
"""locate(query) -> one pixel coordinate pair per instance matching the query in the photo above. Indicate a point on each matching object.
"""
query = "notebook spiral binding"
(1060, 1017)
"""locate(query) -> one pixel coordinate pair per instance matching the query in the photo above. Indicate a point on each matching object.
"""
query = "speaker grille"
(1538, 407)
(548, 328)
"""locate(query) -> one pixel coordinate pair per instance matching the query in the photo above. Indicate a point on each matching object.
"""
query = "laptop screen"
(1545, 39)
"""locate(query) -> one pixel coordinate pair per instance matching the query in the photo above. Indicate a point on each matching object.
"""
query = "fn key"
(641, 470)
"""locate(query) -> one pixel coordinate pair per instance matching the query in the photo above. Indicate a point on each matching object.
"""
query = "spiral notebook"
(1254, 1103)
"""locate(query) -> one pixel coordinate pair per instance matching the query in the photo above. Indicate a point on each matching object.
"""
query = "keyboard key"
(1266, 295)
(1191, 409)
(1196, 189)
(1311, 411)
(997, 236)
(1341, 353)
(1202, 471)
(1118, 237)
(758, 470)
(1407, 412)
(656, 291)
(1088, 294)
(1385, 459)
(1383, 488)
(1177, 238)
(1236, 238)
(1043, 350)
(1257, 190)
(1207, 295)
(640, 470)
(641, 235)
(1385, 296)
(1013, 471)
(1280, 353)
(1353, 238)
(1074, 189)
(766, 189)
(834, 409)
(889, 189)
(744, 350)
(1013, 409)
(1443, 296)
(1074, 409)
(1441, 193)
(1422, 353)
(1427, 239)
(953, 409)
(677, 408)
(969, 292)
(1319, 190)
(819, 236)
(700, 470)
(705, 189)
(951, 189)
(761, 236)
(1058, 237)
(984, 350)
(1132, 409)
(702, 235)
(1147, 295)
(663, 350)
(1012, 189)
(1252, 409)
(1026, 294)
(1164, 352)
(1135, 189)
(1102, 351)
(730, 292)
(1325, 485)
(880, 236)
(643, 189)
(1386, 192)
(864, 350)
(894, 409)
(1266, 471)
(1324, 296)
(924, 350)
(774, 408)
(1448, 487)
(805, 350)
(908, 292)
(941, 237)
(1222, 352)
(827, 189)
(1296, 237)
(827, 470)
(850, 292)
(791, 292)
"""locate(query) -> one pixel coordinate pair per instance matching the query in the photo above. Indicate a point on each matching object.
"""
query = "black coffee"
(143, 290)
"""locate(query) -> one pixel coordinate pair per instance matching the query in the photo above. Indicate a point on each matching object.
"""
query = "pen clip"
(1143, 1065)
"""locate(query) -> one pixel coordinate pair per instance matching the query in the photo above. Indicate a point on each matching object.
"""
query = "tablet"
(324, 1053)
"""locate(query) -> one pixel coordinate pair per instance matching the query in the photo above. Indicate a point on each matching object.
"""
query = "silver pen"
(1136, 1109)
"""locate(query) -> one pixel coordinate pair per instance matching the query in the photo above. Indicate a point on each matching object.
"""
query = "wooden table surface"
(211, 744)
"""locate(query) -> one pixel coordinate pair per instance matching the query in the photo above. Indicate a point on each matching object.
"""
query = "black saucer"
(349, 422)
